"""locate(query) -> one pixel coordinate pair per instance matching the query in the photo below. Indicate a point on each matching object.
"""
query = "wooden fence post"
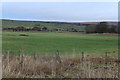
(82, 59)
(106, 65)
(58, 59)
(21, 61)
(8, 60)
(35, 56)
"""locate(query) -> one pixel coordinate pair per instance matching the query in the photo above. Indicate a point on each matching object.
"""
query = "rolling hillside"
(61, 26)
(49, 25)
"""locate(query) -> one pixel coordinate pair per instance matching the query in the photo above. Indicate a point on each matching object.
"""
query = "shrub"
(23, 35)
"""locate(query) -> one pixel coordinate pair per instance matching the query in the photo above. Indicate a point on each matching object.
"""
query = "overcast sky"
(61, 11)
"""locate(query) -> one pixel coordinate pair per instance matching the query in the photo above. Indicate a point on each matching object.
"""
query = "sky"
(60, 0)
(61, 11)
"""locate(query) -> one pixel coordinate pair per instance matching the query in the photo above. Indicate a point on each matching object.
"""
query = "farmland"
(78, 55)
(66, 43)
(59, 40)
(58, 54)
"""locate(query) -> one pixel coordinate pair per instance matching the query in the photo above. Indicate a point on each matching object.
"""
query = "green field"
(67, 43)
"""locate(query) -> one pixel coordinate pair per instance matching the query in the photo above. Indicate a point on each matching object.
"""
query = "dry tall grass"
(48, 66)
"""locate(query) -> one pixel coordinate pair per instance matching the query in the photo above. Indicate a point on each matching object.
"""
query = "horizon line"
(59, 20)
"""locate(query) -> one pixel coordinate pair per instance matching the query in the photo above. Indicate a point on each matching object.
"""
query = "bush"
(102, 27)
(90, 29)
(23, 35)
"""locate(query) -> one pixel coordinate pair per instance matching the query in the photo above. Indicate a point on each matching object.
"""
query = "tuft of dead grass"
(46, 66)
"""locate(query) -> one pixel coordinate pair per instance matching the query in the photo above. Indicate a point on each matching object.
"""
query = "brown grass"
(47, 66)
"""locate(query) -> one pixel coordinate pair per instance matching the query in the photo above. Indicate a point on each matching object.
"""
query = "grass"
(67, 43)
(46, 66)
(69, 64)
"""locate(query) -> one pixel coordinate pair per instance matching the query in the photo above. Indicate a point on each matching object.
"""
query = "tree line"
(21, 28)
(102, 27)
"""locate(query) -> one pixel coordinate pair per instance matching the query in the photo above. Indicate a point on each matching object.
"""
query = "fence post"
(8, 60)
(58, 59)
(21, 56)
(82, 59)
(35, 56)
(106, 56)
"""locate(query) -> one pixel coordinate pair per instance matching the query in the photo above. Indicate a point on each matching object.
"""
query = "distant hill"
(63, 26)
(49, 25)
(110, 23)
